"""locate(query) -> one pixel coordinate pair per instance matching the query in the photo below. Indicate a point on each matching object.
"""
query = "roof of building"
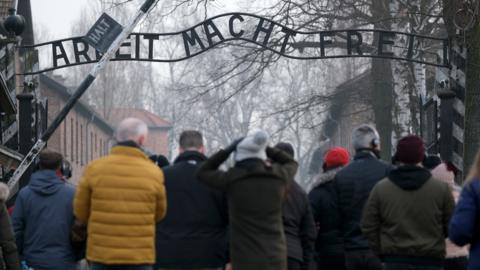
(152, 120)
(82, 107)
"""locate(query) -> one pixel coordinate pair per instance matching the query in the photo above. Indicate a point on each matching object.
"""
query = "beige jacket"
(443, 174)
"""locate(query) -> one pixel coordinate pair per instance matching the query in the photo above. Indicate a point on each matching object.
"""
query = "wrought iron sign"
(244, 27)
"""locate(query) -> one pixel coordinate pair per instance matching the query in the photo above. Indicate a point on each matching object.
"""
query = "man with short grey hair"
(132, 129)
(353, 185)
(120, 198)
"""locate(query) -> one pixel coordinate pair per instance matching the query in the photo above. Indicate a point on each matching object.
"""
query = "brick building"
(84, 135)
(349, 108)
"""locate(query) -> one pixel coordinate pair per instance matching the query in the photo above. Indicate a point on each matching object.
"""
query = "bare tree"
(241, 86)
(119, 85)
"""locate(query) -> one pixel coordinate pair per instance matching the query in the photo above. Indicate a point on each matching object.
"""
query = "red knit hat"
(410, 150)
(336, 157)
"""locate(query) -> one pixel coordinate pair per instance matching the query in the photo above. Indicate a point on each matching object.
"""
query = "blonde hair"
(474, 172)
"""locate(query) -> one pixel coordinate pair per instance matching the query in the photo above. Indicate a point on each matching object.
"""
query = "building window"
(91, 146)
(71, 141)
(77, 142)
(64, 137)
(107, 147)
(100, 149)
(96, 143)
(81, 145)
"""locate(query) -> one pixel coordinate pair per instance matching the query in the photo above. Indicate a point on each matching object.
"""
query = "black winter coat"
(353, 185)
(323, 199)
(255, 193)
(299, 226)
(194, 232)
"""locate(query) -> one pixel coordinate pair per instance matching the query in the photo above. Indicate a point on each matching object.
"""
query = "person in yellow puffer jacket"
(120, 198)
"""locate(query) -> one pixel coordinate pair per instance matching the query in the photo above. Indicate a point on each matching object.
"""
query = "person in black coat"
(329, 243)
(300, 231)
(193, 234)
(353, 185)
(160, 160)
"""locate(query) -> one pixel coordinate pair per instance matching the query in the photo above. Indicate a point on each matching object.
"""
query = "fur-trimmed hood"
(4, 192)
(326, 177)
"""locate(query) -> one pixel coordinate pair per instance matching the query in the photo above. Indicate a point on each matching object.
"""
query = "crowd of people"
(134, 212)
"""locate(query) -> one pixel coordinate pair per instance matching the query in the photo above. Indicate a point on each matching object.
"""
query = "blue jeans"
(99, 266)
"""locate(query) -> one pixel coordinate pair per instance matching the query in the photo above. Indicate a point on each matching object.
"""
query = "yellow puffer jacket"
(121, 197)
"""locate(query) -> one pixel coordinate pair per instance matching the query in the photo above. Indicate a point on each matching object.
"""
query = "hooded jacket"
(255, 193)
(9, 256)
(325, 211)
(42, 221)
(406, 216)
(194, 231)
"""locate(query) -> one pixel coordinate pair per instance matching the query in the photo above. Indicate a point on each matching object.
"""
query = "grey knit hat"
(253, 146)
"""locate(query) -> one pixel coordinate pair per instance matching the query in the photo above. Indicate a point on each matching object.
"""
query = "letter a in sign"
(103, 33)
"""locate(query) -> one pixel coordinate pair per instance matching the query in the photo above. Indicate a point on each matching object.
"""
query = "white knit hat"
(442, 173)
(253, 146)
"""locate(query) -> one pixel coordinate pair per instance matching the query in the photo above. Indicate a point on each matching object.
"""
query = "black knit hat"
(160, 160)
(431, 161)
(286, 147)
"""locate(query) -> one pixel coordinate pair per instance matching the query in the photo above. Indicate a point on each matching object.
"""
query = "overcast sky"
(57, 15)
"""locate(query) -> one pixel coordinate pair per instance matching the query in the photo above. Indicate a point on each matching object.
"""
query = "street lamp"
(14, 24)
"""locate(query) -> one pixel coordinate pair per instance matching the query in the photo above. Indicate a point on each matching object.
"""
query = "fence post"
(458, 86)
